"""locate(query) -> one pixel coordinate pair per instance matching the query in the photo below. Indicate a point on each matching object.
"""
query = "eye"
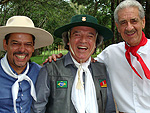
(15, 44)
(134, 21)
(77, 34)
(90, 36)
(122, 22)
(28, 45)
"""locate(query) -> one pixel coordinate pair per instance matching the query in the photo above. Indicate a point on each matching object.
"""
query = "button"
(20, 83)
(22, 95)
(21, 107)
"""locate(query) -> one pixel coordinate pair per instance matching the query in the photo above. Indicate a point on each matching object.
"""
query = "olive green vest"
(61, 81)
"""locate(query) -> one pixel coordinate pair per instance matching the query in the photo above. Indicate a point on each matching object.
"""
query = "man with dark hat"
(73, 84)
(19, 38)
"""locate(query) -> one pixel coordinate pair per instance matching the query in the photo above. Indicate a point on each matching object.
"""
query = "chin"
(20, 65)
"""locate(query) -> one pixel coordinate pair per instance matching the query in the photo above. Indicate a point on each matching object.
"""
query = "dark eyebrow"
(122, 21)
(91, 33)
(14, 41)
(76, 32)
(17, 41)
(135, 19)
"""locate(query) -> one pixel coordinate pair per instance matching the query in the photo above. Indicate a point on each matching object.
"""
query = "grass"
(41, 58)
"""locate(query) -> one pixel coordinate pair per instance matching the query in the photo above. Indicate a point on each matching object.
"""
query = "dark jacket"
(59, 94)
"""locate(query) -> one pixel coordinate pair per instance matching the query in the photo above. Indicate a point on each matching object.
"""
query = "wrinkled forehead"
(83, 29)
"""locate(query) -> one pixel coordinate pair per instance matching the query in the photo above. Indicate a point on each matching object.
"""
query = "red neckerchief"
(134, 50)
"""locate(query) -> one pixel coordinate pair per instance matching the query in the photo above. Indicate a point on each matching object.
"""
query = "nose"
(22, 48)
(129, 27)
(83, 38)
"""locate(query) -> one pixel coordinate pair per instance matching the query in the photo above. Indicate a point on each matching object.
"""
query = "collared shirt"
(131, 93)
(24, 100)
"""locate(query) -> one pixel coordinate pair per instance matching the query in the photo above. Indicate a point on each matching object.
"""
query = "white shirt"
(132, 94)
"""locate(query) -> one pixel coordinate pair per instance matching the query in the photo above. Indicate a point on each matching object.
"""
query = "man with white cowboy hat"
(73, 84)
(19, 38)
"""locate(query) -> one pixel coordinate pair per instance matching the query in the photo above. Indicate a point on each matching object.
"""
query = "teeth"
(82, 47)
(21, 57)
(130, 33)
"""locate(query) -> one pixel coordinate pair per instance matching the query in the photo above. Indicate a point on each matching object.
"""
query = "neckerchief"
(20, 77)
(84, 99)
(133, 50)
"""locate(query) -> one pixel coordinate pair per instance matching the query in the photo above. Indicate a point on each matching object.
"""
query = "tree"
(51, 14)
(46, 14)
(147, 27)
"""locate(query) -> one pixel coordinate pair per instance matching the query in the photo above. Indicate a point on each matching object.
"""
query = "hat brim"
(42, 37)
(104, 31)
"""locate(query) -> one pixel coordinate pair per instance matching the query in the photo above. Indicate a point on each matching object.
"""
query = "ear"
(117, 25)
(143, 23)
(33, 49)
(5, 45)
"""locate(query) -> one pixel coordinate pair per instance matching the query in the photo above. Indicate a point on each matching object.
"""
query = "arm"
(42, 92)
(53, 57)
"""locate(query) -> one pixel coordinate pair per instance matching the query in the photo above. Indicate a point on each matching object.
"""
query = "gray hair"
(66, 36)
(126, 4)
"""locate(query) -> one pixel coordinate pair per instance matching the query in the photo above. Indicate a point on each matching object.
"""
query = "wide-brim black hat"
(84, 20)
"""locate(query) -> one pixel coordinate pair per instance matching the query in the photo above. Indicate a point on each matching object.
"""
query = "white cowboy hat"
(23, 24)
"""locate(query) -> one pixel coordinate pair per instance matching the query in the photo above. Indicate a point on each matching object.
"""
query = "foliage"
(51, 14)
(39, 59)
(46, 14)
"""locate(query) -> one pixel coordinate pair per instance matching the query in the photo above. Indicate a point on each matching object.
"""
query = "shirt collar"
(144, 49)
(68, 59)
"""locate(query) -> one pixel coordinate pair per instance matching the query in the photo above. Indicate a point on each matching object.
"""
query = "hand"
(53, 57)
(93, 60)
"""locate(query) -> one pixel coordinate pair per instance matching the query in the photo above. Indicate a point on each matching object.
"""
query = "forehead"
(23, 37)
(128, 13)
(83, 28)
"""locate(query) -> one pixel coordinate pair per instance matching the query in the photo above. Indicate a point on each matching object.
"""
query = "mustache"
(23, 53)
(130, 31)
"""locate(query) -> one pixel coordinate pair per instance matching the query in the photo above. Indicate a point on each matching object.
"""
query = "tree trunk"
(112, 20)
(147, 18)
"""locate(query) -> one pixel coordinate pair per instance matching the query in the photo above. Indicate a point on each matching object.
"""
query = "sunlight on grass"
(41, 58)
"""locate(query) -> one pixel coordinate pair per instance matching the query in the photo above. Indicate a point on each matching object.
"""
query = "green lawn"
(41, 58)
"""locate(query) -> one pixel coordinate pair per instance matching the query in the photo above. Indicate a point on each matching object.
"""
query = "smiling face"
(19, 50)
(82, 41)
(130, 25)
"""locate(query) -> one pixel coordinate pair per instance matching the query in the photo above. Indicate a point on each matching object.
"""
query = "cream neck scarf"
(20, 77)
(84, 99)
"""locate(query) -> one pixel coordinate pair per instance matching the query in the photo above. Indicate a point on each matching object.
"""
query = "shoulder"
(98, 65)
(148, 42)
(34, 66)
(115, 46)
(54, 65)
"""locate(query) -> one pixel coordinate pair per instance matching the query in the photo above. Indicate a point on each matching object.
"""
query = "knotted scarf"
(84, 99)
(20, 77)
(133, 50)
